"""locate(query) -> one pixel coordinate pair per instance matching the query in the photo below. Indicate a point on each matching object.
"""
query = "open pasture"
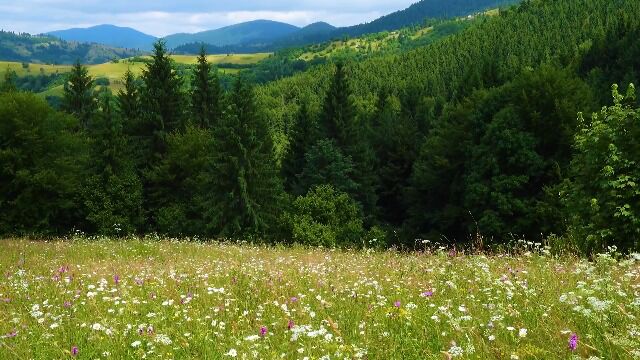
(109, 299)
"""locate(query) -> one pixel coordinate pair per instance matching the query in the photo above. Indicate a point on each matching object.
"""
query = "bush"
(603, 196)
(325, 217)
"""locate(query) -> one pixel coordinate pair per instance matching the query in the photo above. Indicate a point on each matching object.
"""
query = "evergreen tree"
(245, 186)
(113, 190)
(395, 139)
(79, 98)
(350, 135)
(129, 101)
(325, 164)
(338, 112)
(205, 93)
(162, 98)
(9, 83)
(302, 137)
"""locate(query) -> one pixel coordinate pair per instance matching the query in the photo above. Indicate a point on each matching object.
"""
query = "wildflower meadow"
(107, 299)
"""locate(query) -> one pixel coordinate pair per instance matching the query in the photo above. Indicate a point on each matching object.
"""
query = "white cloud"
(162, 17)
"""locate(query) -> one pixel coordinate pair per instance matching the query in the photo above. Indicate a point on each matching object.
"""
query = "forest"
(520, 126)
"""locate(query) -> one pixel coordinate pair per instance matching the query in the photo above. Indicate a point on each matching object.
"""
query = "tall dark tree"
(338, 114)
(395, 138)
(113, 190)
(79, 98)
(245, 185)
(302, 137)
(350, 135)
(205, 93)
(128, 100)
(162, 97)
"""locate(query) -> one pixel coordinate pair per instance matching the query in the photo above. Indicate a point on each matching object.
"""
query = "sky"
(163, 17)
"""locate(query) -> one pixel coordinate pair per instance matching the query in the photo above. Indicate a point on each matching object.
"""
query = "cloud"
(161, 17)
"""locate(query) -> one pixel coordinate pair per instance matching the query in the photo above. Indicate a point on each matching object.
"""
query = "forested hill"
(492, 51)
(51, 50)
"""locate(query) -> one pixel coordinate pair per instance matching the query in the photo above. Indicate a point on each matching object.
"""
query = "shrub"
(325, 217)
(603, 196)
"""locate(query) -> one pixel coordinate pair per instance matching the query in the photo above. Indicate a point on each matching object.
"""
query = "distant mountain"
(121, 37)
(51, 50)
(258, 31)
(415, 14)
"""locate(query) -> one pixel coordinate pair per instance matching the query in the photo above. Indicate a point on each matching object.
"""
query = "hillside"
(110, 35)
(258, 31)
(50, 50)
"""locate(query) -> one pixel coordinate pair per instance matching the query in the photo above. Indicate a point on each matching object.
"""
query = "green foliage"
(245, 187)
(9, 83)
(79, 98)
(205, 94)
(162, 97)
(603, 195)
(325, 217)
(42, 161)
(112, 190)
(183, 170)
(302, 137)
(326, 164)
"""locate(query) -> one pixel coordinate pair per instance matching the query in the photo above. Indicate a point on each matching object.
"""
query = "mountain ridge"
(107, 34)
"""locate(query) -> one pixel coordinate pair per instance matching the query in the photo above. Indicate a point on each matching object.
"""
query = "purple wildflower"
(573, 342)
(397, 304)
(290, 324)
(116, 279)
(67, 304)
(74, 351)
(428, 293)
(294, 299)
(263, 331)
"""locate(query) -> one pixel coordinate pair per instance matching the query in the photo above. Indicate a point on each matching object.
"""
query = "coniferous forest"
(522, 126)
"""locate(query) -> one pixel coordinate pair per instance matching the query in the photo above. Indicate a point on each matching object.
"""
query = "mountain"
(51, 50)
(110, 35)
(415, 14)
(258, 31)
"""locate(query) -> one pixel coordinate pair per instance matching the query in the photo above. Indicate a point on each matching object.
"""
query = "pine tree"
(79, 98)
(350, 135)
(162, 97)
(302, 138)
(245, 186)
(112, 191)
(129, 100)
(205, 93)
(338, 112)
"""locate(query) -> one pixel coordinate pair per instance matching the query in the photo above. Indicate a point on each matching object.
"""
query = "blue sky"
(161, 17)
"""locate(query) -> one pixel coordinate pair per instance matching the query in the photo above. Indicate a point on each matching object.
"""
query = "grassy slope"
(209, 299)
(115, 71)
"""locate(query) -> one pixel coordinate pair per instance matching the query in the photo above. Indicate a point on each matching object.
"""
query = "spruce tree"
(350, 135)
(302, 138)
(79, 98)
(129, 100)
(205, 93)
(112, 191)
(245, 187)
(162, 97)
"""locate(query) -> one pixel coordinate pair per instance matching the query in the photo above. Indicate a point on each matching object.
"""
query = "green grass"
(170, 299)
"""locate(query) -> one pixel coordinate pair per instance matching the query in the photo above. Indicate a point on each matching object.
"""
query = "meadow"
(167, 299)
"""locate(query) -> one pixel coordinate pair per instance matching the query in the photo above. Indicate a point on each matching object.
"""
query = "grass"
(169, 299)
